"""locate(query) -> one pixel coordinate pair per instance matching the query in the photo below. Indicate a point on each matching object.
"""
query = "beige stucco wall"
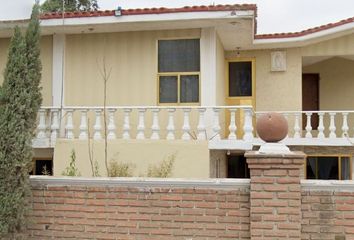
(336, 83)
(46, 47)
(278, 91)
(130, 56)
(220, 73)
(335, 87)
(191, 157)
(47, 68)
(338, 46)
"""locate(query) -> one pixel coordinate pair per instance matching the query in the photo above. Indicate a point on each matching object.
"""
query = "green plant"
(120, 169)
(164, 168)
(96, 170)
(71, 170)
(45, 171)
(20, 102)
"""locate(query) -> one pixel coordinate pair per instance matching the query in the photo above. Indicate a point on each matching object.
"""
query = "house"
(189, 83)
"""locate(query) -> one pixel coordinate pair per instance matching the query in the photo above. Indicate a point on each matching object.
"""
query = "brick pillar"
(275, 195)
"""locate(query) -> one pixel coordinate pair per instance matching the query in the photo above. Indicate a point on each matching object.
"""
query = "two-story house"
(190, 82)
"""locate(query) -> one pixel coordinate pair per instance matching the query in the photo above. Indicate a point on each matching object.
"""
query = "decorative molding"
(278, 61)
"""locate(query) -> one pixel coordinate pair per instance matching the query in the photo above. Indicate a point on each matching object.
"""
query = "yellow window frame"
(178, 75)
(253, 75)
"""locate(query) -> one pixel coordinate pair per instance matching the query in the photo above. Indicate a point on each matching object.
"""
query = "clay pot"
(272, 127)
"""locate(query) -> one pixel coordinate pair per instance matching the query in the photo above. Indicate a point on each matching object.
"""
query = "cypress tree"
(34, 68)
(20, 101)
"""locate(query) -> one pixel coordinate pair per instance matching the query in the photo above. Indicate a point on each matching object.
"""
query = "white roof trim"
(77, 21)
(308, 37)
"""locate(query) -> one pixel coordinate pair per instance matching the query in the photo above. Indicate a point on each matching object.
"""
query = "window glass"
(182, 55)
(345, 168)
(311, 168)
(168, 88)
(189, 89)
(322, 168)
(328, 168)
(240, 79)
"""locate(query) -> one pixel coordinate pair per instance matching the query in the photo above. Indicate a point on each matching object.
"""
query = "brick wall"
(275, 195)
(184, 209)
(136, 209)
(327, 210)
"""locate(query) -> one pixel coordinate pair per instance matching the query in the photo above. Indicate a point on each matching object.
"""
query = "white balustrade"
(49, 119)
(126, 124)
(201, 125)
(41, 125)
(155, 127)
(98, 126)
(111, 127)
(54, 127)
(308, 125)
(83, 125)
(248, 126)
(320, 126)
(297, 128)
(345, 127)
(170, 126)
(69, 127)
(141, 124)
(186, 127)
(232, 126)
(216, 125)
(332, 126)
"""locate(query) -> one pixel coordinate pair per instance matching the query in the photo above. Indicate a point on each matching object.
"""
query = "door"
(310, 97)
(240, 90)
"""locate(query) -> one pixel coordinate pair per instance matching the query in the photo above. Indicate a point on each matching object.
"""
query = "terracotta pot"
(272, 127)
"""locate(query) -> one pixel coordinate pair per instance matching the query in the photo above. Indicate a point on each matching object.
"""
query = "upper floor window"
(179, 70)
(240, 79)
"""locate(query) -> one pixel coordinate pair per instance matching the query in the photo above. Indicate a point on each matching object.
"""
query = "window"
(178, 70)
(240, 79)
(42, 167)
(237, 167)
(328, 167)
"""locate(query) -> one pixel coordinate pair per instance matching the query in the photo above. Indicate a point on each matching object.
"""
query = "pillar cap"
(292, 155)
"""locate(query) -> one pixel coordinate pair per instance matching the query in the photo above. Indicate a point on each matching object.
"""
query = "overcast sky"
(273, 15)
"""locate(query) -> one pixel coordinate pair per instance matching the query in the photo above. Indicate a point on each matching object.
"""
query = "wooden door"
(240, 90)
(310, 97)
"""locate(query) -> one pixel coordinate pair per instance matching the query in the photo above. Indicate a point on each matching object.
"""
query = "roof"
(141, 11)
(304, 32)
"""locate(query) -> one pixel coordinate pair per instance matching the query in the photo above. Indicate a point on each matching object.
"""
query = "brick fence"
(139, 209)
(273, 204)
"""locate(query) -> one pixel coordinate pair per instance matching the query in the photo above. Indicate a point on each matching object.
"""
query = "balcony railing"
(234, 124)
(144, 122)
(319, 127)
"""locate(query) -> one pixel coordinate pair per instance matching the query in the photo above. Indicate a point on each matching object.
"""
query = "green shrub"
(71, 170)
(120, 169)
(163, 169)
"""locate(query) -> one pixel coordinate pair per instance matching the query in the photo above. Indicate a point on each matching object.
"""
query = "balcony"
(225, 127)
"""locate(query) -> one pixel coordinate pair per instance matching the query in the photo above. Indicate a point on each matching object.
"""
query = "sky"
(273, 15)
